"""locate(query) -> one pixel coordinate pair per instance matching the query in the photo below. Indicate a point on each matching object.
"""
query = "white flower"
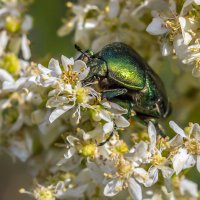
(189, 147)
(78, 149)
(193, 57)
(158, 162)
(127, 173)
(157, 27)
(12, 21)
(188, 187)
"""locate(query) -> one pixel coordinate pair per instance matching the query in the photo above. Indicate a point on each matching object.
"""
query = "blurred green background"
(182, 88)
(47, 15)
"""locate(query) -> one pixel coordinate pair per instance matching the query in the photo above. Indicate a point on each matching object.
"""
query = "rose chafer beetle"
(125, 78)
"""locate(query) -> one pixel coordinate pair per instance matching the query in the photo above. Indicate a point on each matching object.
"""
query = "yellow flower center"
(10, 63)
(12, 24)
(69, 77)
(174, 26)
(158, 159)
(82, 95)
(43, 193)
(122, 148)
(193, 146)
(124, 168)
(88, 150)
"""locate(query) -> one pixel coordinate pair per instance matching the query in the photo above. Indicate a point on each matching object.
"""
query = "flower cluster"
(118, 168)
(177, 27)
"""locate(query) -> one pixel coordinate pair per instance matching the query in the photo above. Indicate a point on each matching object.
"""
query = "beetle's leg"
(107, 140)
(109, 94)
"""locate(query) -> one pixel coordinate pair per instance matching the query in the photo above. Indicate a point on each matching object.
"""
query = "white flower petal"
(58, 112)
(56, 101)
(134, 189)
(12, 86)
(27, 23)
(108, 127)
(153, 177)
(121, 122)
(188, 187)
(113, 8)
(139, 153)
(197, 2)
(167, 172)
(179, 160)
(177, 140)
(81, 68)
(70, 153)
(190, 162)
(156, 27)
(66, 62)
(117, 109)
(3, 41)
(55, 67)
(43, 69)
(66, 28)
(84, 74)
(104, 115)
(152, 135)
(140, 175)
(26, 52)
(186, 36)
(198, 163)
(166, 49)
(168, 185)
(5, 76)
(111, 187)
(76, 192)
(71, 139)
(177, 129)
(180, 48)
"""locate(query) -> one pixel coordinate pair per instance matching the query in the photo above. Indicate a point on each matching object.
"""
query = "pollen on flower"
(174, 26)
(163, 142)
(12, 24)
(124, 167)
(193, 146)
(158, 159)
(82, 95)
(43, 193)
(88, 150)
(11, 63)
(122, 147)
(69, 76)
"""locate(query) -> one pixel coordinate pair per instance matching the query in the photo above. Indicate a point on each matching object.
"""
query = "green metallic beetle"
(125, 78)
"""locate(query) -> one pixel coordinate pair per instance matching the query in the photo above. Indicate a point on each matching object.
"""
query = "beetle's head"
(98, 70)
(85, 56)
(97, 66)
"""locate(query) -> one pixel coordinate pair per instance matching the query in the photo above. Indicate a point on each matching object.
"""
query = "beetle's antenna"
(80, 50)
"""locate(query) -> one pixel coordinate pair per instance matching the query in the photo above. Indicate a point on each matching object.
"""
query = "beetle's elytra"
(127, 79)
